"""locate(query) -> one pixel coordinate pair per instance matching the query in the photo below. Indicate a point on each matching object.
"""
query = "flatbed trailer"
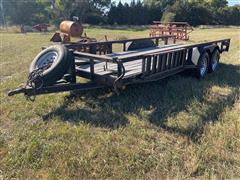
(136, 63)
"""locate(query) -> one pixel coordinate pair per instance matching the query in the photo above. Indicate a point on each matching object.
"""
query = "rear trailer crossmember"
(135, 64)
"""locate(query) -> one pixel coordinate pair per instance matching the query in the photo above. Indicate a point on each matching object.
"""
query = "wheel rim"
(47, 59)
(203, 67)
(215, 61)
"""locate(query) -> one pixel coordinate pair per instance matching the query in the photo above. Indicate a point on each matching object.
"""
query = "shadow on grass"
(154, 102)
(93, 113)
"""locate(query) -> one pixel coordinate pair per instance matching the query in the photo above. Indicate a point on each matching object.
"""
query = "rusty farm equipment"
(71, 29)
(41, 27)
(179, 29)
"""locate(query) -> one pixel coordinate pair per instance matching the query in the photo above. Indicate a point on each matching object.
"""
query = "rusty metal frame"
(179, 29)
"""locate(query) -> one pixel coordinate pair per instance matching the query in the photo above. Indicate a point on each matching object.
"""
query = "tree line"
(195, 12)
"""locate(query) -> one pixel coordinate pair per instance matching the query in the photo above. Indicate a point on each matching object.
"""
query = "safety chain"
(35, 81)
(115, 84)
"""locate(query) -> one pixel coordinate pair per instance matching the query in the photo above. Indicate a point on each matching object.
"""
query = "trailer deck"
(144, 61)
(132, 68)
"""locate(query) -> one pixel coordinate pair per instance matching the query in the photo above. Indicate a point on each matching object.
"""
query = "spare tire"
(57, 56)
(140, 44)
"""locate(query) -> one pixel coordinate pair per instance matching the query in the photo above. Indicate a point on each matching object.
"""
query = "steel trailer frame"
(108, 69)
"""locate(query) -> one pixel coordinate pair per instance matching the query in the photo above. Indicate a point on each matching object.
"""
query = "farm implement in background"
(179, 29)
(41, 27)
(69, 29)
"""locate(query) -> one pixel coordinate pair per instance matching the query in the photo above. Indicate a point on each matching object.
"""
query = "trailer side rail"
(106, 47)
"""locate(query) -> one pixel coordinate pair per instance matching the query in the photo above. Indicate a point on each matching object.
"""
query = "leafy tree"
(135, 13)
(65, 9)
(38, 11)
(159, 3)
(228, 15)
(24, 12)
(193, 11)
(168, 17)
(199, 14)
(112, 15)
(217, 3)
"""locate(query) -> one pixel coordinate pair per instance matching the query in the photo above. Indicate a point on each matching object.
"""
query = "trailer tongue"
(146, 59)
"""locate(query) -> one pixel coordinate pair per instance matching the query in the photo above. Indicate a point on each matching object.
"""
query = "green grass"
(179, 127)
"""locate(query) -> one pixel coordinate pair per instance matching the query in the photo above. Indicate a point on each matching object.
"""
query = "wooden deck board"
(131, 67)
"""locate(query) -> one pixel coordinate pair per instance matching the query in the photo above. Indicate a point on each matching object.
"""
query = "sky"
(230, 2)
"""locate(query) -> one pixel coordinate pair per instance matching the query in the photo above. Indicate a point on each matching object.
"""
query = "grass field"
(179, 127)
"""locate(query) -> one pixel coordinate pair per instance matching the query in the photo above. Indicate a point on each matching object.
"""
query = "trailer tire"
(214, 61)
(140, 44)
(203, 65)
(58, 54)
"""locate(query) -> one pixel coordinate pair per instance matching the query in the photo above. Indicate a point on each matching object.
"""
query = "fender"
(198, 51)
(210, 48)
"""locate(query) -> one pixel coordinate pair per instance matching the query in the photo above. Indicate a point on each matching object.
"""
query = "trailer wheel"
(214, 61)
(57, 58)
(140, 44)
(202, 66)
